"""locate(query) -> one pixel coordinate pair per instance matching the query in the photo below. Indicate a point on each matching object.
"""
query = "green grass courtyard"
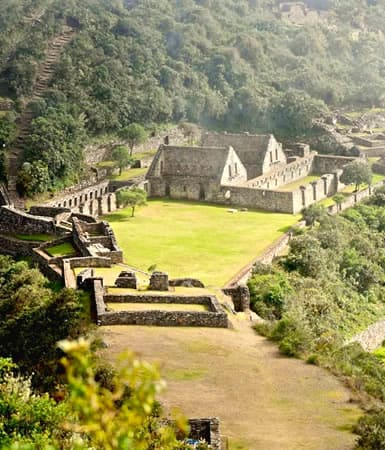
(188, 239)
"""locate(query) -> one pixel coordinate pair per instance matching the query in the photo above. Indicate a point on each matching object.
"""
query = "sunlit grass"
(188, 239)
(301, 182)
(65, 249)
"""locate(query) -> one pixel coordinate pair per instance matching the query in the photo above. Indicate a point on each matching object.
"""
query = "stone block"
(159, 281)
(126, 280)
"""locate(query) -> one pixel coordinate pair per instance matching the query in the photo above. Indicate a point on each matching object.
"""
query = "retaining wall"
(15, 247)
(165, 318)
(329, 163)
(16, 221)
(216, 317)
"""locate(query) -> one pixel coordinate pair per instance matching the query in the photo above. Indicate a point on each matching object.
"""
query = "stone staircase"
(15, 155)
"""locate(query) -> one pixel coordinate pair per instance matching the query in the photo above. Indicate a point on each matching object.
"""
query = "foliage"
(26, 418)
(33, 178)
(371, 430)
(313, 213)
(33, 318)
(338, 199)
(336, 273)
(121, 155)
(120, 417)
(268, 293)
(153, 62)
(7, 130)
(356, 172)
(132, 197)
(56, 141)
(134, 134)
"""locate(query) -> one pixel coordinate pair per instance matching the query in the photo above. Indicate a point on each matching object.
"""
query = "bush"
(371, 429)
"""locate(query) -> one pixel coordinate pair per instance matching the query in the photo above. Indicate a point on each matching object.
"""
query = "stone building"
(244, 170)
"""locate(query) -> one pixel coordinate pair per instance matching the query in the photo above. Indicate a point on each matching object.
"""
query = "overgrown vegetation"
(234, 64)
(91, 405)
(33, 318)
(330, 286)
(103, 409)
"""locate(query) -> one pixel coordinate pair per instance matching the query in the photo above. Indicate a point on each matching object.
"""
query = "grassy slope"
(192, 239)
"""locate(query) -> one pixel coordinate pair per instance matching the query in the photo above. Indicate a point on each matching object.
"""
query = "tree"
(134, 134)
(34, 178)
(190, 131)
(131, 197)
(7, 131)
(356, 172)
(121, 155)
(338, 200)
(313, 213)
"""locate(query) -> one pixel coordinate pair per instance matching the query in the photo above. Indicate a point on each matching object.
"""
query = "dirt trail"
(264, 401)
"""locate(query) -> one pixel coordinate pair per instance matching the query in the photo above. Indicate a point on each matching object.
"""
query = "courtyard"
(199, 240)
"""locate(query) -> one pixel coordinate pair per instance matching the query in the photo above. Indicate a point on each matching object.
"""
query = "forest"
(225, 64)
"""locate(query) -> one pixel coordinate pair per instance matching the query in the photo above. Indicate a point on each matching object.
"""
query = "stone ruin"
(159, 281)
(245, 170)
(126, 280)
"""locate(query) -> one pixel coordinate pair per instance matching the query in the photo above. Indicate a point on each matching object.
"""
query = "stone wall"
(240, 295)
(51, 211)
(165, 318)
(15, 247)
(206, 300)
(216, 317)
(207, 429)
(95, 153)
(87, 237)
(255, 198)
(90, 261)
(374, 151)
(47, 265)
(16, 221)
(372, 337)
(365, 141)
(328, 164)
(93, 200)
(316, 191)
(282, 174)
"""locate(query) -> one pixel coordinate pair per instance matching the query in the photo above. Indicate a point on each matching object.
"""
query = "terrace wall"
(16, 247)
(16, 221)
(165, 318)
(216, 317)
(328, 163)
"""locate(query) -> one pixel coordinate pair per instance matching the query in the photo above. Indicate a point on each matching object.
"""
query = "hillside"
(235, 64)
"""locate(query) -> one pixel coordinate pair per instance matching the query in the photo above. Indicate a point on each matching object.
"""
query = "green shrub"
(371, 429)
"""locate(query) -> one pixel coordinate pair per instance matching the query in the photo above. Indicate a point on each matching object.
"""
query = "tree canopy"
(356, 172)
(132, 197)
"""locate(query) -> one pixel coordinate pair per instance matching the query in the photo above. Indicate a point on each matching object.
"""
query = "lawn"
(197, 240)
(128, 174)
(301, 182)
(34, 237)
(65, 249)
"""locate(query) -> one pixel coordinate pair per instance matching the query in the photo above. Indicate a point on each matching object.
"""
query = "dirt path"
(264, 401)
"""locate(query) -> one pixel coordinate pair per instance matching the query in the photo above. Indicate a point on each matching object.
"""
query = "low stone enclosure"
(214, 317)
(245, 171)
